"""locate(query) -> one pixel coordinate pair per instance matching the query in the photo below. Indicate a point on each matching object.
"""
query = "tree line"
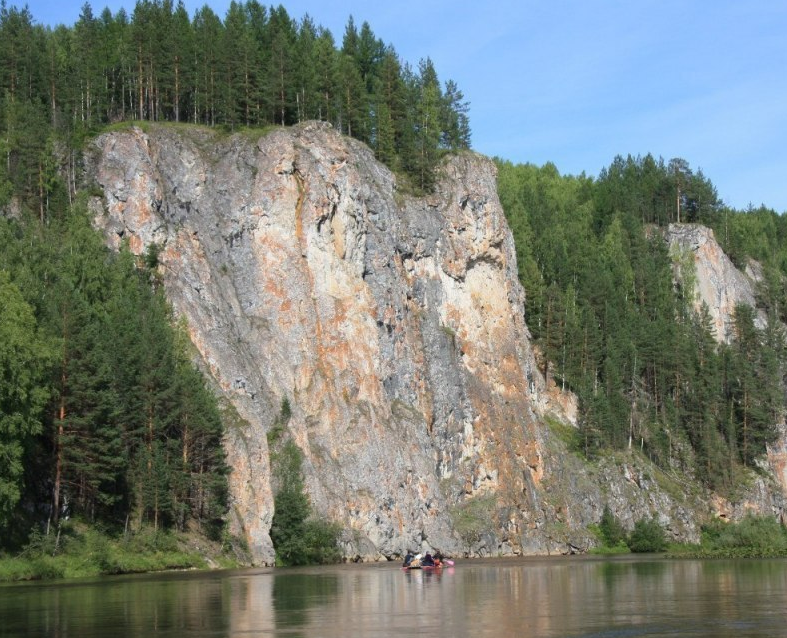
(102, 414)
(613, 324)
(256, 67)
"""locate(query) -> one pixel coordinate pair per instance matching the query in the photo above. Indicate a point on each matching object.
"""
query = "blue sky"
(578, 82)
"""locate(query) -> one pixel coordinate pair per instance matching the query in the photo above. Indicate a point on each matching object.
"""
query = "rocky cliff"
(393, 325)
(719, 286)
(715, 281)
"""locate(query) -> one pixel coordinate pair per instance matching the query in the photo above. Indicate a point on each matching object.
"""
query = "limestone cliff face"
(717, 282)
(720, 286)
(393, 325)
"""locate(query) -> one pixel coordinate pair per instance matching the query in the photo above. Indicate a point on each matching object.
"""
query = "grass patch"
(80, 551)
(473, 518)
(616, 550)
(752, 537)
(566, 433)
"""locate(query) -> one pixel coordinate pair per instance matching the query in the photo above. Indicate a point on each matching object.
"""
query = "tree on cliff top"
(255, 67)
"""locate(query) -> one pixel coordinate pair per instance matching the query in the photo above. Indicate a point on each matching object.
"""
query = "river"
(564, 597)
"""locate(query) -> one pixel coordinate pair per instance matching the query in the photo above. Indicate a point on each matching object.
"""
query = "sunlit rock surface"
(393, 325)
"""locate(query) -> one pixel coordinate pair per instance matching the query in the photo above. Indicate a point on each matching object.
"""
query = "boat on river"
(424, 562)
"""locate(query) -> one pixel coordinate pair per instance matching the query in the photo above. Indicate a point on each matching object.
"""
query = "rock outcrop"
(719, 286)
(715, 280)
(393, 325)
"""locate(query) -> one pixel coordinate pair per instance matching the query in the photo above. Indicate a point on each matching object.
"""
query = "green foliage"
(763, 535)
(611, 326)
(647, 536)
(80, 551)
(610, 528)
(299, 538)
(752, 537)
(24, 360)
(104, 415)
(255, 67)
(473, 518)
(280, 423)
(566, 432)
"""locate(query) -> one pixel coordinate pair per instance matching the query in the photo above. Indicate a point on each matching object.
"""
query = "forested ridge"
(616, 327)
(257, 67)
(102, 414)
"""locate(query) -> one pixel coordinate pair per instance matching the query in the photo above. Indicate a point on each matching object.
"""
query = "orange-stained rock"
(393, 325)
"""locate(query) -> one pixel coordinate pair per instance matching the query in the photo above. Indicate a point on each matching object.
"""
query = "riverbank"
(80, 552)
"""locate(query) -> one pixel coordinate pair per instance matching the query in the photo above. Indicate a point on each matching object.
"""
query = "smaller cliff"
(701, 265)
(714, 280)
(395, 328)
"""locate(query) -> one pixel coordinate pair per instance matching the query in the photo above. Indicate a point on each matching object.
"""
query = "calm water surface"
(562, 597)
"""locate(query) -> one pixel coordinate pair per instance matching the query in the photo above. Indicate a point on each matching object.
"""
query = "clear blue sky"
(578, 82)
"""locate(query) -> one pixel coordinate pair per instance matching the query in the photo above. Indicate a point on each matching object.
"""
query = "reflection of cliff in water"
(294, 594)
(551, 598)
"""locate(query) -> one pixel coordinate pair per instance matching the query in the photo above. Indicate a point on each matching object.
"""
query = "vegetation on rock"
(299, 536)
(256, 67)
(613, 325)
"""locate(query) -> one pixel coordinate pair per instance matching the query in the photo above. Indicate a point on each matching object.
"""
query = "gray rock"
(393, 325)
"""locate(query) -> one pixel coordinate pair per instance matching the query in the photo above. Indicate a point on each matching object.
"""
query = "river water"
(563, 597)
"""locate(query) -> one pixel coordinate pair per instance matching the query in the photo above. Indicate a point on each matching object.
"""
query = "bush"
(320, 540)
(298, 537)
(612, 532)
(647, 536)
(761, 534)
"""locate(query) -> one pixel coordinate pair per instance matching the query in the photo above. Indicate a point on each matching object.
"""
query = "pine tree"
(456, 124)
(427, 131)
(326, 80)
(280, 72)
(208, 36)
(307, 93)
(24, 360)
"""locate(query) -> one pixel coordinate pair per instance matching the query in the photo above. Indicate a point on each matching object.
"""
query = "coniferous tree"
(306, 91)
(280, 72)
(326, 80)
(427, 130)
(24, 361)
(208, 34)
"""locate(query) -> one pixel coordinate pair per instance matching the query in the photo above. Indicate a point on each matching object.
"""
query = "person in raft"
(408, 558)
(428, 561)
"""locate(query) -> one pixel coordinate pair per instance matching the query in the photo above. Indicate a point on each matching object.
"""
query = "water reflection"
(295, 594)
(566, 597)
(120, 606)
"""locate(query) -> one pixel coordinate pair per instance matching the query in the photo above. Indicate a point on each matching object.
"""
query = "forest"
(104, 417)
(257, 67)
(614, 325)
